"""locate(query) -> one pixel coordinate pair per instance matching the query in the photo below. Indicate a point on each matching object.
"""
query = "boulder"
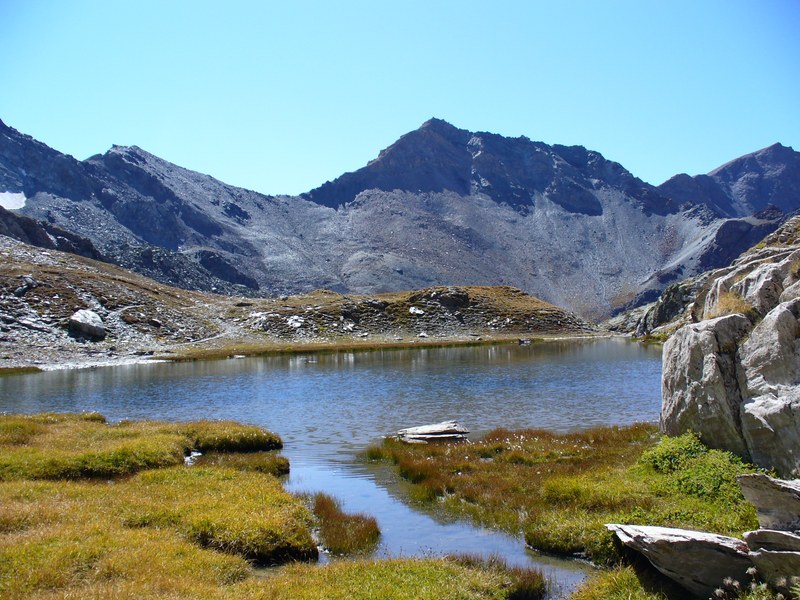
(700, 388)
(777, 568)
(772, 539)
(695, 560)
(762, 287)
(777, 501)
(87, 324)
(769, 376)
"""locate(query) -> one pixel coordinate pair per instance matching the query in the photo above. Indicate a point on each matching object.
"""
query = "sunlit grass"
(344, 533)
(560, 490)
(229, 436)
(72, 446)
(397, 579)
(260, 462)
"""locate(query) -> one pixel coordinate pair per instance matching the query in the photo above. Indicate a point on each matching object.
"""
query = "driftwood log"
(444, 431)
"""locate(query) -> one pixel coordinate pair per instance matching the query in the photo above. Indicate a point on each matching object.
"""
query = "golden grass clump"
(395, 579)
(730, 303)
(560, 490)
(229, 436)
(344, 533)
(616, 584)
(180, 525)
(72, 446)
(260, 462)
(237, 512)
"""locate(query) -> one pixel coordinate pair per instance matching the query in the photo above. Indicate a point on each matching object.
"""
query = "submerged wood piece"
(444, 431)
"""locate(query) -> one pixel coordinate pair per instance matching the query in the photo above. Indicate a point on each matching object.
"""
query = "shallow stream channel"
(330, 407)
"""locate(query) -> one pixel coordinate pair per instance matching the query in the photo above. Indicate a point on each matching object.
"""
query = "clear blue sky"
(282, 96)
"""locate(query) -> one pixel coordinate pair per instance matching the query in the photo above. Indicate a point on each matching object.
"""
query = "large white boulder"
(87, 324)
(700, 388)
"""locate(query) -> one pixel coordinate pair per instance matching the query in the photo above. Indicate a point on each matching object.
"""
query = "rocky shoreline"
(60, 310)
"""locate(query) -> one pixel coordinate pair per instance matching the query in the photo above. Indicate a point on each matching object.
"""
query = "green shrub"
(671, 453)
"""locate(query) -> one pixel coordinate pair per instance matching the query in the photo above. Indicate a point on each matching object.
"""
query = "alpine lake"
(329, 407)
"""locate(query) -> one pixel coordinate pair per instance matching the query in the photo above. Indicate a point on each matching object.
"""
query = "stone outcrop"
(700, 387)
(777, 501)
(701, 562)
(697, 561)
(735, 379)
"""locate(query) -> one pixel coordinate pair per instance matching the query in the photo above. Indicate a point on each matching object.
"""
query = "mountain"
(441, 206)
(745, 186)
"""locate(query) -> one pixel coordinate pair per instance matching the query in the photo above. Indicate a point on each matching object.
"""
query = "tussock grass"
(72, 446)
(730, 303)
(396, 579)
(260, 462)
(229, 436)
(560, 490)
(344, 533)
(237, 512)
(620, 583)
(527, 584)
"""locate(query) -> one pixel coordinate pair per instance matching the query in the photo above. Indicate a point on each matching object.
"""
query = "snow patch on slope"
(12, 200)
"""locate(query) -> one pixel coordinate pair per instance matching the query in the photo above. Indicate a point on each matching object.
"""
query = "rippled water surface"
(328, 407)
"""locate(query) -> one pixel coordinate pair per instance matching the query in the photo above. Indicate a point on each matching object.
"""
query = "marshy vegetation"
(560, 490)
(72, 446)
(344, 533)
(94, 510)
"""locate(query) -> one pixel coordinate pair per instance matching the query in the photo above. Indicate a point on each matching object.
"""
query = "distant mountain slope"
(441, 206)
(744, 186)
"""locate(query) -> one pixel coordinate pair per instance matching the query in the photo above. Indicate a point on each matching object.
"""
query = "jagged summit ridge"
(518, 172)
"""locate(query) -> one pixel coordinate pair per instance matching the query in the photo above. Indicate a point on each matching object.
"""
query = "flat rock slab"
(695, 560)
(777, 568)
(777, 501)
(771, 539)
(446, 430)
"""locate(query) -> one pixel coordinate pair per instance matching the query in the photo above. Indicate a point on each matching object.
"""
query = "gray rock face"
(441, 206)
(88, 324)
(699, 382)
(777, 501)
(771, 539)
(696, 560)
(776, 567)
(735, 383)
(745, 185)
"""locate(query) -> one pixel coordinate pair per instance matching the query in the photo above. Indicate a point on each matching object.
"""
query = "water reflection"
(329, 406)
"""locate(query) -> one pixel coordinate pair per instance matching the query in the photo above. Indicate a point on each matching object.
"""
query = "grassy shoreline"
(92, 509)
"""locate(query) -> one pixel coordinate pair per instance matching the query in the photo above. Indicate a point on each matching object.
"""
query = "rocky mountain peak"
(745, 185)
(517, 172)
